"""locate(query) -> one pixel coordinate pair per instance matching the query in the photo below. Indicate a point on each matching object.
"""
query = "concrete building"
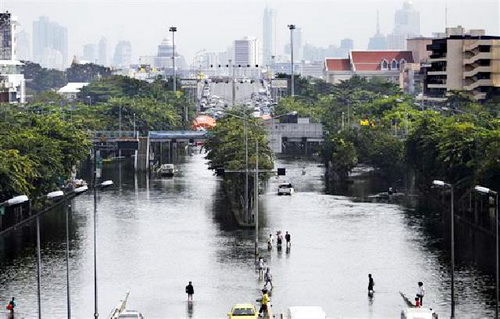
(123, 54)
(71, 90)
(103, 49)
(246, 52)
(463, 61)
(12, 83)
(268, 35)
(389, 65)
(89, 53)
(50, 44)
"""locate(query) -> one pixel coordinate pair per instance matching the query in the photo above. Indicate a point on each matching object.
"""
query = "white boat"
(120, 311)
(166, 170)
(285, 189)
(418, 313)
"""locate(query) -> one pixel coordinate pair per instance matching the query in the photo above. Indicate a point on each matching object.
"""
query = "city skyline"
(214, 25)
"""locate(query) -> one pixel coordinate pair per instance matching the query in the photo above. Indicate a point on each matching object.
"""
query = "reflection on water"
(156, 234)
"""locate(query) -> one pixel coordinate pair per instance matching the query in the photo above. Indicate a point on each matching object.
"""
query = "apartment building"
(463, 61)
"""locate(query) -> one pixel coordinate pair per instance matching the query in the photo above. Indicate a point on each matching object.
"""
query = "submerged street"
(154, 235)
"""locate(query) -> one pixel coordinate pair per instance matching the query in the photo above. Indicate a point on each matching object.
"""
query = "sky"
(213, 25)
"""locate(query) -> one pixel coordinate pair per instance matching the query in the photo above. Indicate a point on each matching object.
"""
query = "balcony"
(472, 45)
(436, 72)
(479, 56)
(434, 58)
(478, 83)
(479, 69)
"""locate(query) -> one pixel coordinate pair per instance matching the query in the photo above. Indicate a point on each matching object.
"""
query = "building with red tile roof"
(388, 64)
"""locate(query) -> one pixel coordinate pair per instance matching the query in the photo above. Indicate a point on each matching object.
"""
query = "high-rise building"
(103, 48)
(378, 41)
(23, 46)
(89, 52)
(123, 54)
(247, 52)
(50, 44)
(407, 21)
(268, 36)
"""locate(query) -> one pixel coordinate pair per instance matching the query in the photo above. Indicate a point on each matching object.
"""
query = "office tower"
(246, 52)
(23, 46)
(50, 44)
(123, 54)
(163, 59)
(268, 36)
(103, 47)
(7, 45)
(89, 53)
(407, 21)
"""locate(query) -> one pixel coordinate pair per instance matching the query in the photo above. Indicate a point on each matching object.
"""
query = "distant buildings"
(12, 84)
(313, 54)
(23, 46)
(103, 49)
(268, 35)
(89, 53)
(123, 54)
(463, 61)
(406, 25)
(50, 44)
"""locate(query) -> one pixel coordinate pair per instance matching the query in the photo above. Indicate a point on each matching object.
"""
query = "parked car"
(285, 189)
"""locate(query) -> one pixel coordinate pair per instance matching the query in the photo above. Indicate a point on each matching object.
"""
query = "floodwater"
(156, 234)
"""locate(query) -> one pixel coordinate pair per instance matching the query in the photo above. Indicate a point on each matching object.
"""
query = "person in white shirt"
(421, 292)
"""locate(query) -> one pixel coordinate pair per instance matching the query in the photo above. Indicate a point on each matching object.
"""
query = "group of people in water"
(279, 241)
(419, 298)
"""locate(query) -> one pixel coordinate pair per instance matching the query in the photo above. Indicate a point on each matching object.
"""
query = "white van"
(306, 312)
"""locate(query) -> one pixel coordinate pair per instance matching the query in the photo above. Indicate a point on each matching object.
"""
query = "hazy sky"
(213, 25)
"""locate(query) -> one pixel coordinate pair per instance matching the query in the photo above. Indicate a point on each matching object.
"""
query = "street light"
(487, 191)
(291, 27)
(102, 185)
(173, 30)
(442, 184)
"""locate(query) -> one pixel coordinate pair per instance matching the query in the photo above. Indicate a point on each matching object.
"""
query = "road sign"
(189, 83)
(279, 83)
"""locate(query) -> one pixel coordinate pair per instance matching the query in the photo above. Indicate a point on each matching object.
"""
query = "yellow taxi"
(247, 311)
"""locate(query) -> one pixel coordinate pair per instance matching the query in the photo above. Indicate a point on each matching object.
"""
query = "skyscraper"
(89, 52)
(407, 20)
(103, 47)
(123, 54)
(268, 36)
(50, 44)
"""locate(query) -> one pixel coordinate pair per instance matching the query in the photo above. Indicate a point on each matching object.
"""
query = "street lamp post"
(102, 185)
(439, 183)
(256, 197)
(173, 30)
(292, 84)
(487, 191)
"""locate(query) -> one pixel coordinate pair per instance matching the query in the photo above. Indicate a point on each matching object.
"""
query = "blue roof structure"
(178, 134)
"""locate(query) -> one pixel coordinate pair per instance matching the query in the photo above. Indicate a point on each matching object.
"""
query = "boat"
(120, 311)
(285, 189)
(167, 170)
(413, 312)
(418, 313)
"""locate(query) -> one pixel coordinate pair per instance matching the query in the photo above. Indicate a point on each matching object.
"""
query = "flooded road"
(154, 235)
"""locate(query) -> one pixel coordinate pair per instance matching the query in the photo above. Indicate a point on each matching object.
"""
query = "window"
(394, 65)
(384, 65)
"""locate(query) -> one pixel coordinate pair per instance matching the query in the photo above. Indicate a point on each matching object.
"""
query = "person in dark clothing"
(190, 291)
(287, 239)
(371, 283)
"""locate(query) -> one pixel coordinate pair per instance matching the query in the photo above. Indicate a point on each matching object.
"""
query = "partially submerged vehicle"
(285, 189)
(167, 170)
